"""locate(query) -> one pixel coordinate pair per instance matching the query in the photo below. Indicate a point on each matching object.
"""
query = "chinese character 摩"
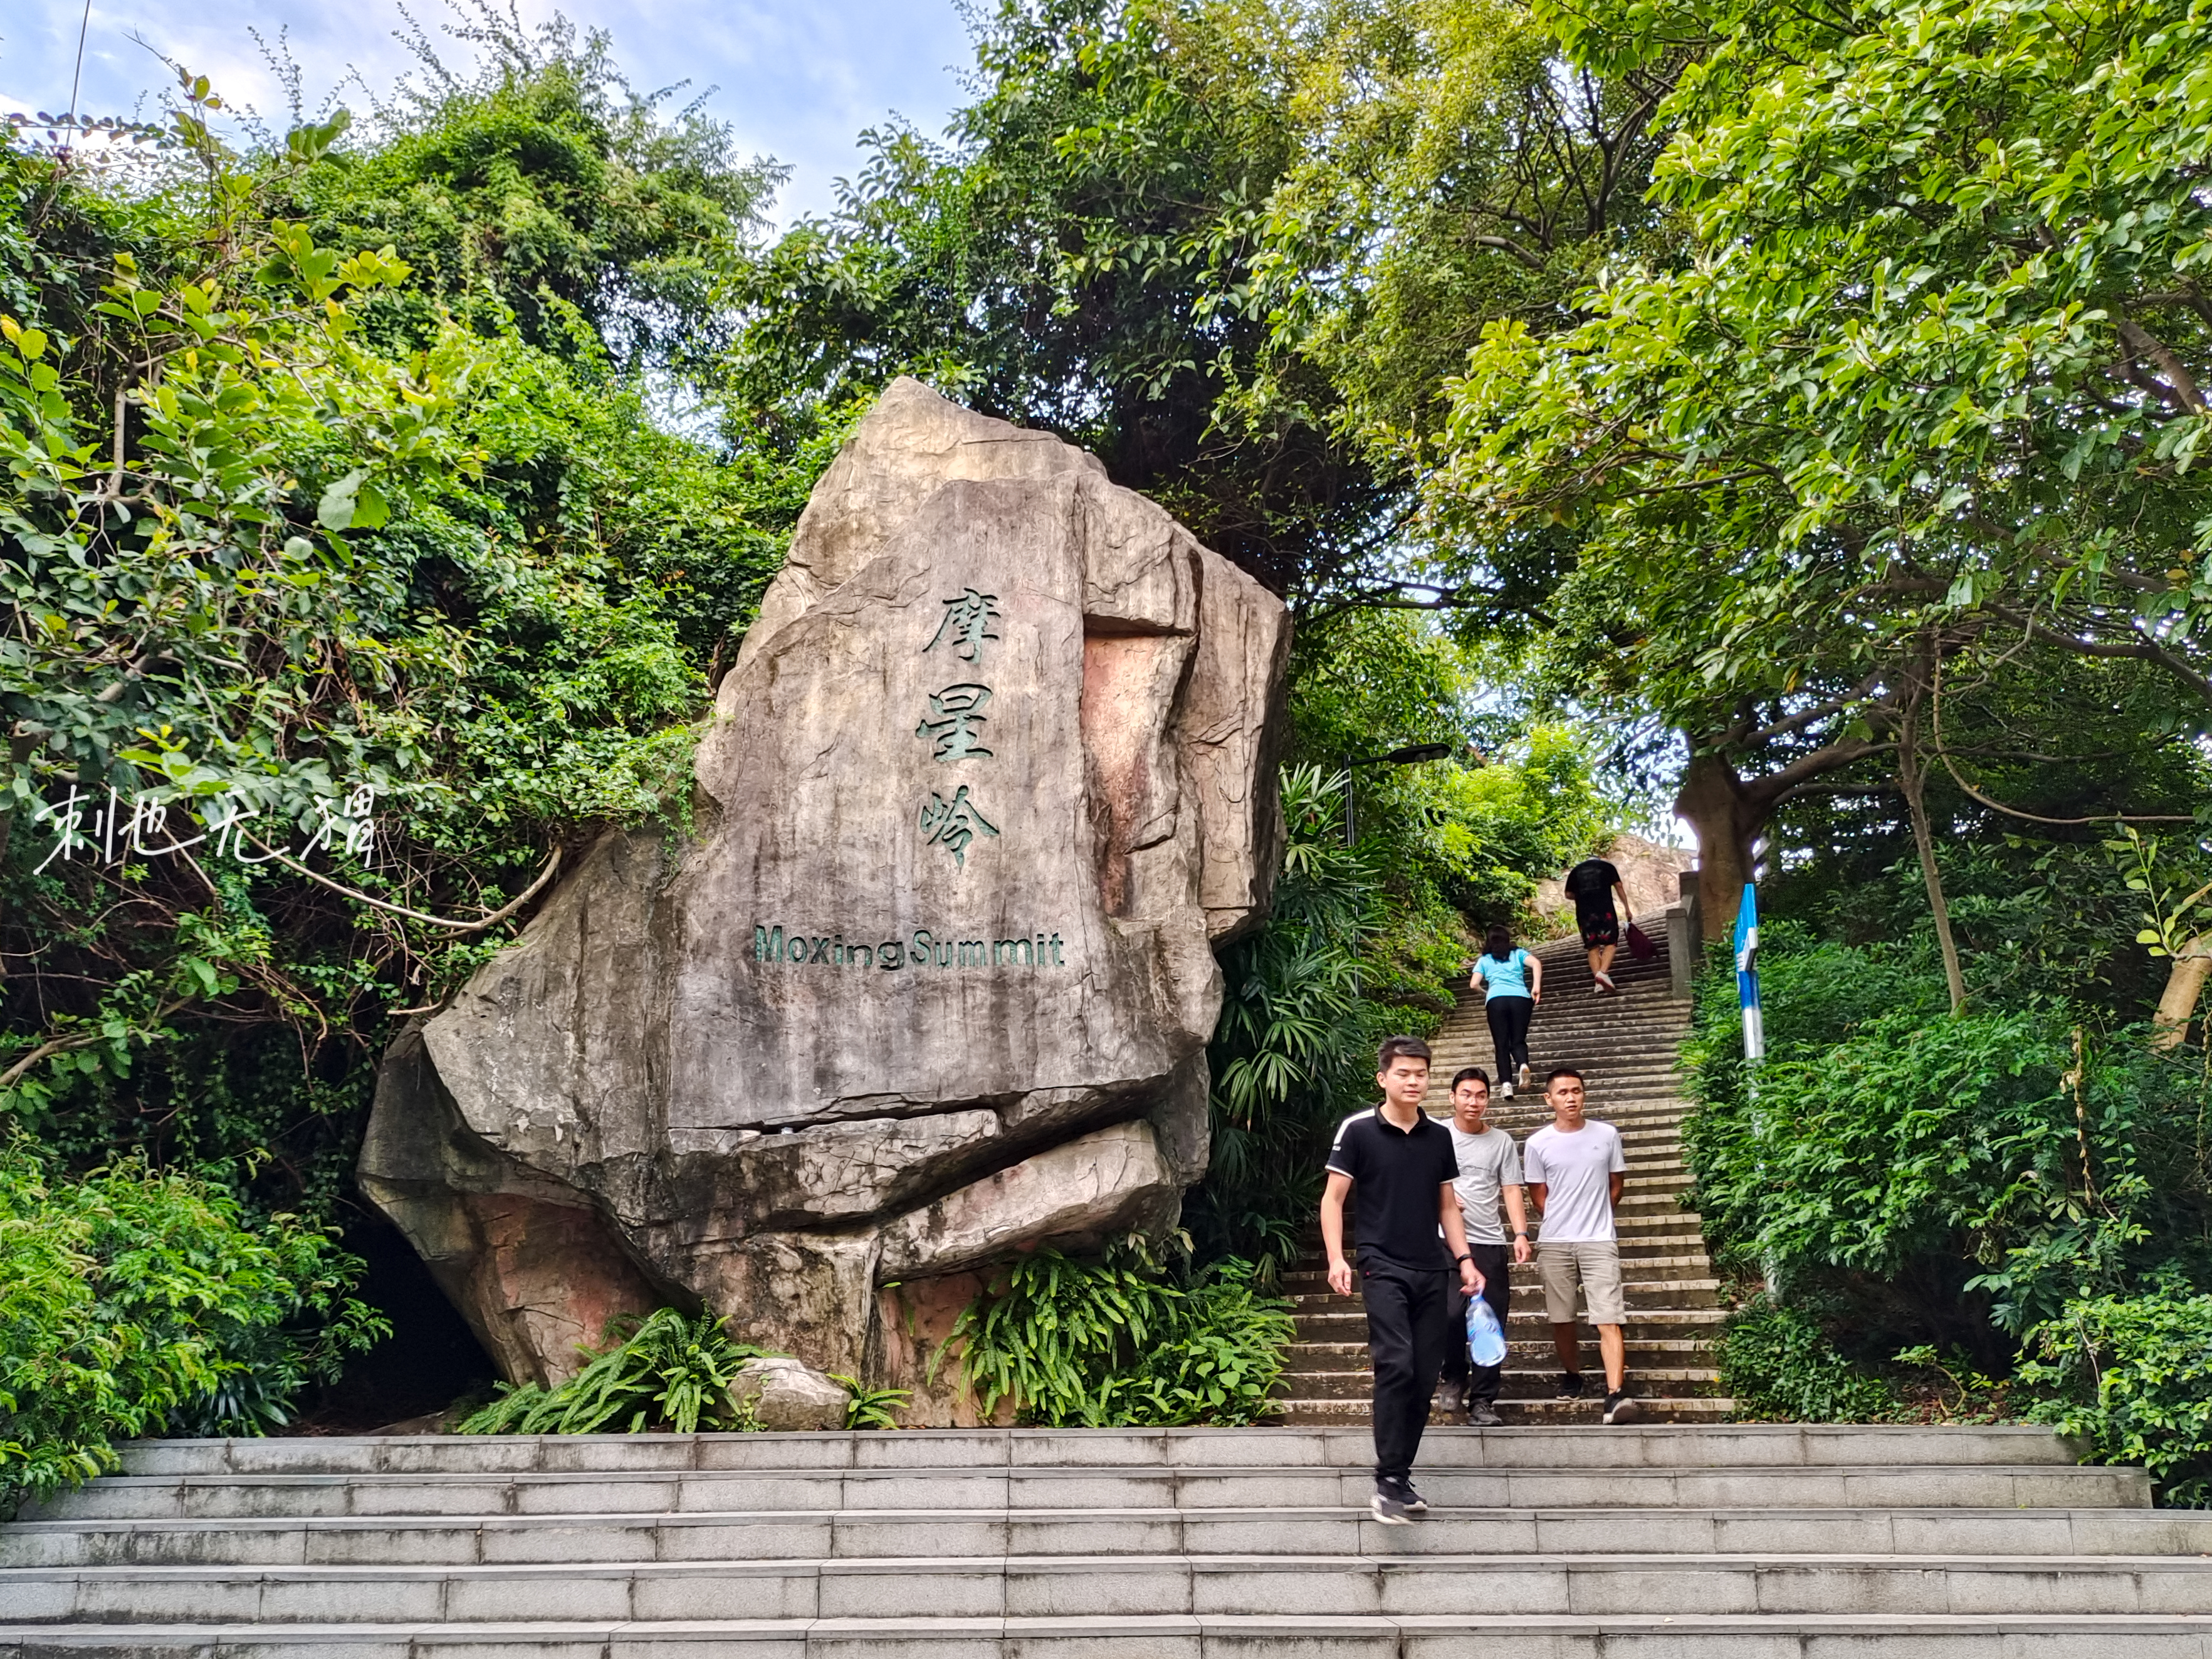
(957, 711)
(952, 824)
(968, 619)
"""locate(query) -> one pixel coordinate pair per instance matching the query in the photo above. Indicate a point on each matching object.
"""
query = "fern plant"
(664, 1371)
(870, 1408)
(1121, 1343)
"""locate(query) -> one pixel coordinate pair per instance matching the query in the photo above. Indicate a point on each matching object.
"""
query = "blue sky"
(796, 81)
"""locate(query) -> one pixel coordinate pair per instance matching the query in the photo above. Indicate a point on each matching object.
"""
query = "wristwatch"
(1458, 1259)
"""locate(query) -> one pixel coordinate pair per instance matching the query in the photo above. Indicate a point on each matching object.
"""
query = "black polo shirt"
(1396, 1174)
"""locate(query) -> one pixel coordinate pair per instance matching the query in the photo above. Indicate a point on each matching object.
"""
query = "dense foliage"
(1777, 1362)
(364, 587)
(1119, 1342)
(134, 1303)
(2021, 1185)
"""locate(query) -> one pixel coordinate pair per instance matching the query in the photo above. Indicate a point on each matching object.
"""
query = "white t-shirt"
(1487, 1162)
(1574, 1170)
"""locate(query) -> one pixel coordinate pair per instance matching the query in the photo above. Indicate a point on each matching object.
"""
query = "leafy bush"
(2136, 1377)
(664, 1371)
(133, 1303)
(2012, 1157)
(2011, 1185)
(870, 1408)
(1116, 1343)
(1778, 1364)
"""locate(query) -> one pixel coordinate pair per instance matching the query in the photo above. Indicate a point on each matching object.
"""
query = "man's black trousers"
(1508, 1018)
(1408, 1325)
(1493, 1263)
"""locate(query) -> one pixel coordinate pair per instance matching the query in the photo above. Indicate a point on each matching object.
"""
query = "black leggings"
(1508, 1031)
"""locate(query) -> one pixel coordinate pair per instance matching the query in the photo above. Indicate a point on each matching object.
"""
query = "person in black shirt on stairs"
(1592, 884)
(1401, 1164)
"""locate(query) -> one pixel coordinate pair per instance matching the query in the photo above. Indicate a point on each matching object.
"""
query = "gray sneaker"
(1481, 1415)
(1391, 1509)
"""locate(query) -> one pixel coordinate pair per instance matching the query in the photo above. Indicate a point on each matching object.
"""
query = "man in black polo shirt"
(1403, 1164)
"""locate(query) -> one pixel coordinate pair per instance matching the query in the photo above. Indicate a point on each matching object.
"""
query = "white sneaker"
(1506, 1091)
(1606, 979)
(1523, 1079)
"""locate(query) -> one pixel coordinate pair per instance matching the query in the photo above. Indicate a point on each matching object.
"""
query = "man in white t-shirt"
(1489, 1178)
(1576, 1171)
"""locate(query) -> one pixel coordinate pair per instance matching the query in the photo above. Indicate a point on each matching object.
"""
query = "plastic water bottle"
(1486, 1337)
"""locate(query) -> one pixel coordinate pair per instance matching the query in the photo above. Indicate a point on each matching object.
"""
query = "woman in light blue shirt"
(1514, 983)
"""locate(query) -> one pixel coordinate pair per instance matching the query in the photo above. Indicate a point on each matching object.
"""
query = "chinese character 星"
(952, 824)
(955, 713)
(968, 619)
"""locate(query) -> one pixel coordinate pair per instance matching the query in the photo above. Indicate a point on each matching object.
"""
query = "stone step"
(1532, 1379)
(1529, 1325)
(1639, 1294)
(980, 1450)
(1304, 1357)
(1014, 1585)
(1340, 1531)
(580, 1518)
(1644, 1260)
(1657, 1411)
(1169, 1636)
(1582, 1049)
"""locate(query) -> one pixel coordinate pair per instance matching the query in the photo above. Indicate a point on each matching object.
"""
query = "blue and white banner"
(1746, 974)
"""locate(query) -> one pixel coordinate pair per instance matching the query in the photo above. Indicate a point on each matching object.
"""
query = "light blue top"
(1508, 978)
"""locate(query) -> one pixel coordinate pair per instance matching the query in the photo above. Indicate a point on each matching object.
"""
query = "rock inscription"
(992, 778)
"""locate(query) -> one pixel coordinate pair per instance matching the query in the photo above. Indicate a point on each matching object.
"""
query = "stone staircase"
(1625, 1045)
(1658, 1541)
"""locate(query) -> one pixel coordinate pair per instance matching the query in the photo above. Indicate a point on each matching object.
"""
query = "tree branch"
(2142, 649)
(491, 921)
(1506, 244)
(2141, 342)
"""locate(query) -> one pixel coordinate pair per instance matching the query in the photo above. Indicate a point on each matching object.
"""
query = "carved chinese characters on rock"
(111, 828)
(953, 727)
(926, 983)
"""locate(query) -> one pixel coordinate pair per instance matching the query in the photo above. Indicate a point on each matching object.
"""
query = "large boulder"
(932, 982)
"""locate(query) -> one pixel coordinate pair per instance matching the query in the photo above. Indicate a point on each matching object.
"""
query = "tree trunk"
(2185, 984)
(1726, 821)
(1914, 782)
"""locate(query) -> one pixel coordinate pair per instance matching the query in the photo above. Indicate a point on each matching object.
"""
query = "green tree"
(537, 192)
(1919, 385)
(1081, 258)
(366, 624)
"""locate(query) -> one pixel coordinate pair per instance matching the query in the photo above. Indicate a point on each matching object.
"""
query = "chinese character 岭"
(952, 824)
(967, 620)
(955, 713)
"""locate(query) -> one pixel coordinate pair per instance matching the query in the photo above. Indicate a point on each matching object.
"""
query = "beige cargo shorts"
(1595, 1264)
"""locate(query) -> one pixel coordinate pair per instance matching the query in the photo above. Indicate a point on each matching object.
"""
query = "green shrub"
(2135, 1376)
(135, 1303)
(1116, 1343)
(870, 1408)
(664, 1371)
(1780, 1366)
(1983, 1170)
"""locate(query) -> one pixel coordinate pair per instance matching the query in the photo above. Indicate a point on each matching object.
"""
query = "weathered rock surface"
(992, 777)
(788, 1397)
